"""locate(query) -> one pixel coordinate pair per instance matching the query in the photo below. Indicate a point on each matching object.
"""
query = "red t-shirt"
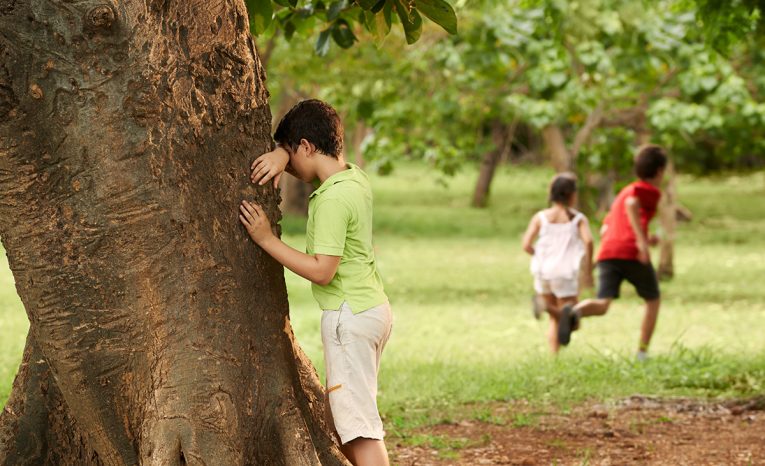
(618, 240)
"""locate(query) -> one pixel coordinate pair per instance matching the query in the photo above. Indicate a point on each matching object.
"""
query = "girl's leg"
(551, 305)
(552, 308)
(552, 336)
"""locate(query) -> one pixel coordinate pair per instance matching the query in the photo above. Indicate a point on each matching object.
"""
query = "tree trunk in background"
(604, 185)
(502, 137)
(359, 134)
(159, 334)
(555, 146)
(295, 195)
(668, 220)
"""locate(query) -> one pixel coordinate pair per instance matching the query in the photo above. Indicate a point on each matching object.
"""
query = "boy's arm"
(319, 269)
(531, 233)
(270, 165)
(633, 214)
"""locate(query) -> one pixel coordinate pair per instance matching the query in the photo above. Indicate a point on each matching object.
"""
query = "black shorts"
(612, 272)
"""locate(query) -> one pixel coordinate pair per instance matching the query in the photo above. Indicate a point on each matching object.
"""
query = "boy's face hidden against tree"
(301, 161)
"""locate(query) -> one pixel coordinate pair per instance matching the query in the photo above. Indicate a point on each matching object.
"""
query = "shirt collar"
(347, 174)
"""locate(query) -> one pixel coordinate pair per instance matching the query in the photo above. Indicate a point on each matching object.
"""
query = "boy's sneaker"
(642, 356)
(568, 321)
(538, 306)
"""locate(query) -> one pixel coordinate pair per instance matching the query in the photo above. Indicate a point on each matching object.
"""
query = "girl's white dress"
(558, 256)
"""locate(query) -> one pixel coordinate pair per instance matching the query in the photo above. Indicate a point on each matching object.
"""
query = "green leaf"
(380, 5)
(322, 43)
(378, 24)
(384, 23)
(367, 4)
(410, 20)
(440, 12)
(289, 30)
(342, 34)
(365, 109)
(335, 9)
(286, 3)
(368, 19)
(261, 13)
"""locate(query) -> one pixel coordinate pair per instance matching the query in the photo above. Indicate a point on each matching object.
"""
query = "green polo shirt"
(340, 224)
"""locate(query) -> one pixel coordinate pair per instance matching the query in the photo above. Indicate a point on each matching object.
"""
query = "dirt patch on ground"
(637, 430)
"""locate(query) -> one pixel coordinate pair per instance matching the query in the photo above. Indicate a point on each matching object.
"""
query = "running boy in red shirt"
(624, 251)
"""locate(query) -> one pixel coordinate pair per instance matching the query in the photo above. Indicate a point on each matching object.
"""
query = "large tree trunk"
(159, 334)
(502, 138)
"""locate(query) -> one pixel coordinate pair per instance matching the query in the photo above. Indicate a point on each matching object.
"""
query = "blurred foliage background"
(574, 84)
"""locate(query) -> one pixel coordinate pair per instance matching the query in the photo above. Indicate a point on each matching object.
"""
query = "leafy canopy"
(340, 20)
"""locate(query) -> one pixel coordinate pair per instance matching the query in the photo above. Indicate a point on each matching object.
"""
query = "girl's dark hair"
(563, 186)
(649, 160)
(316, 122)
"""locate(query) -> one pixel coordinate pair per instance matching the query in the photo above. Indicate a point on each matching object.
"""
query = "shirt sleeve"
(331, 219)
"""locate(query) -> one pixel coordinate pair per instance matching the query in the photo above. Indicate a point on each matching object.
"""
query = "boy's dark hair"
(316, 122)
(563, 186)
(649, 160)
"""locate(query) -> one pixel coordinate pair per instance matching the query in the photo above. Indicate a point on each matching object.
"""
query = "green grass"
(13, 329)
(460, 289)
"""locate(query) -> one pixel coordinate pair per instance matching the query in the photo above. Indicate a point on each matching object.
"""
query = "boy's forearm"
(302, 264)
(633, 214)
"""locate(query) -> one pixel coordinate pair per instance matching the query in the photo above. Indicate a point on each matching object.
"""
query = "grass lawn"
(460, 289)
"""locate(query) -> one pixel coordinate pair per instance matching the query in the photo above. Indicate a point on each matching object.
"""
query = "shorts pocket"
(346, 333)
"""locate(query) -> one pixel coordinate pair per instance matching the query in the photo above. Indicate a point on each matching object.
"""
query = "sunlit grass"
(460, 289)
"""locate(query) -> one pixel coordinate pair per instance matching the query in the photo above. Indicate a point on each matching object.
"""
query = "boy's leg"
(352, 379)
(610, 276)
(643, 278)
(649, 323)
(366, 452)
(593, 307)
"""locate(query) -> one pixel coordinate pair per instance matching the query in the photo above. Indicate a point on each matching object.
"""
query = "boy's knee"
(605, 304)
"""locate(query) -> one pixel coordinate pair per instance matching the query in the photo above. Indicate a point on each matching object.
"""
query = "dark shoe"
(566, 324)
(538, 306)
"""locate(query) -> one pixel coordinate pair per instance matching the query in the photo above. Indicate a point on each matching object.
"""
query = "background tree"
(588, 80)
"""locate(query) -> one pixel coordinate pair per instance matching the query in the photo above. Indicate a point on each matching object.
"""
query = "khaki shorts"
(353, 345)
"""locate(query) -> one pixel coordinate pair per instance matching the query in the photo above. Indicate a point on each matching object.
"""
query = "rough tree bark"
(159, 335)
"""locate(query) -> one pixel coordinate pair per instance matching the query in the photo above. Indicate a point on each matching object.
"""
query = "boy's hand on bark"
(269, 165)
(255, 221)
